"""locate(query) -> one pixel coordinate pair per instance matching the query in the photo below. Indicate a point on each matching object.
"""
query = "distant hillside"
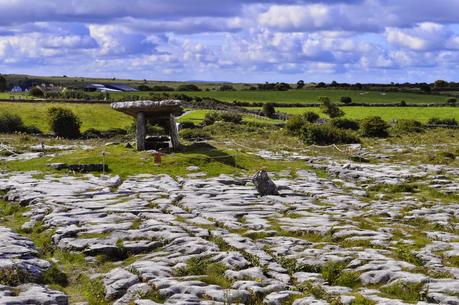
(28, 81)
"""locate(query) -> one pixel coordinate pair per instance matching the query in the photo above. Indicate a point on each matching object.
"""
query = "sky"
(239, 40)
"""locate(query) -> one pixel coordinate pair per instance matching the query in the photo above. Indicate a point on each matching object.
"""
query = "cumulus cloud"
(424, 37)
(258, 39)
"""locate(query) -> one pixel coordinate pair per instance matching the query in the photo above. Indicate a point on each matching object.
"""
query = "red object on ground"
(157, 158)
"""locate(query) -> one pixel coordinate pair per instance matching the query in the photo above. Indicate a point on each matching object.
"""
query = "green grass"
(126, 162)
(98, 116)
(15, 95)
(408, 292)
(213, 272)
(422, 114)
(197, 116)
(311, 96)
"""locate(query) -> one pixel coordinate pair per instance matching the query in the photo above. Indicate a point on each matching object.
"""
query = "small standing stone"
(265, 186)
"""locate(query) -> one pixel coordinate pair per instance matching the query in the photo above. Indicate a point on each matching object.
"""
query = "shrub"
(161, 88)
(188, 87)
(211, 117)
(154, 129)
(231, 117)
(326, 135)
(408, 292)
(330, 108)
(374, 127)
(194, 134)
(64, 123)
(36, 92)
(268, 110)
(451, 101)
(2, 84)
(438, 121)
(282, 87)
(332, 270)
(345, 124)
(311, 116)
(361, 300)
(406, 125)
(10, 123)
(32, 129)
(294, 124)
(91, 133)
(144, 88)
(187, 124)
(226, 88)
(13, 276)
(346, 100)
(54, 275)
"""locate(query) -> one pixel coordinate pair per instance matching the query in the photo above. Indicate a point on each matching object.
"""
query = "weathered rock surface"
(31, 294)
(351, 220)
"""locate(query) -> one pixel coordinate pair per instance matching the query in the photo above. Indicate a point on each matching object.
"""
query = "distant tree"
(425, 88)
(451, 101)
(268, 110)
(2, 84)
(321, 85)
(161, 88)
(188, 87)
(329, 108)
(36, 92)
(144, 88)
(346, 100)
(282, 87)
(440, 84)
(226, 87)
(310, 116)
(334, 84)
(274, 86)
(300, 84)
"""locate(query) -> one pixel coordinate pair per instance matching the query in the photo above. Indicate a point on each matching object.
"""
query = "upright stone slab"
(264, 185)
(173, 132)
(140, 131)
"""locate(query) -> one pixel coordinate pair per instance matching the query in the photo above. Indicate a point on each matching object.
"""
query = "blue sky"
(237, 40)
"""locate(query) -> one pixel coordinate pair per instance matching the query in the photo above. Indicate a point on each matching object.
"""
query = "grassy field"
(306, 96)
(422, 114)
(16, 95)
(197, 116)
(311, 96)
(213, 160)
(98, 116)
(69, 81)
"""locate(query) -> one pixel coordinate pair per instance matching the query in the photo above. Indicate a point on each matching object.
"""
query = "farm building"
(16, 89)
(109, 88)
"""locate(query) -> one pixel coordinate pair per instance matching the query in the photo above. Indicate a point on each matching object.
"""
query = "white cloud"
(296, 17)
(425, 36)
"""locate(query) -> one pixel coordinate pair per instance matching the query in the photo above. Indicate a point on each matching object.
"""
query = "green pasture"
(197, 116)
(304, 96)
(422, 114)
(98, 116)
(311, 96)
